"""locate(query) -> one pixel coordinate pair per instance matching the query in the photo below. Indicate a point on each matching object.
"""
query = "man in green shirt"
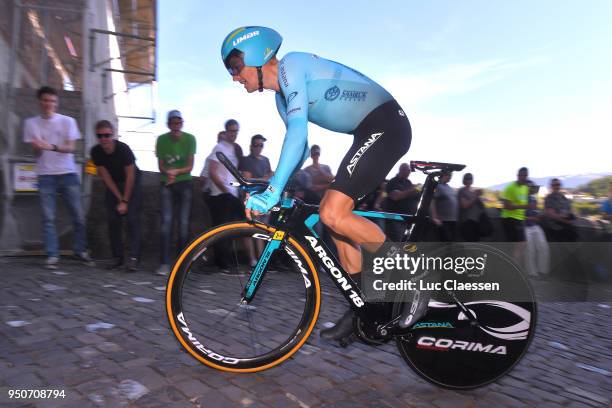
(174, 151)
(515, 199)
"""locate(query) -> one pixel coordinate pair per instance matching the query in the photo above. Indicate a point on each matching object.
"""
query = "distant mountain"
(572, 181)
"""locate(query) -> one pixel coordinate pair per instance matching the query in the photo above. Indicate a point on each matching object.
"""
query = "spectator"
(470, 209)
(233, 127)
(320, 174)
(205, 182)
(116, 166)
(515, 200)
(606, 206)
(255, 165)
(53, 137)
(558, 215)
(258, 167)
(537, 252)
(205, 173)
(402, 197)
(374, 201)
(444, 209)
(321, 177)
(174, 151)
(606, 213)
(225, 205)
(381, 196)
(299, 184)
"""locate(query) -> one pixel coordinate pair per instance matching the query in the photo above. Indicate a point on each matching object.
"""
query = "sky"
(493, 85)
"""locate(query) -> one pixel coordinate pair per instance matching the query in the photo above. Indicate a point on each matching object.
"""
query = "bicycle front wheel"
(205, 288)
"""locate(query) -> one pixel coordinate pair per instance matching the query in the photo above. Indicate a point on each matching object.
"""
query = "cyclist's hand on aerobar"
(262, 203)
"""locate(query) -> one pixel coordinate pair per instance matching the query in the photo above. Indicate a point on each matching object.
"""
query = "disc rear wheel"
(453, 350)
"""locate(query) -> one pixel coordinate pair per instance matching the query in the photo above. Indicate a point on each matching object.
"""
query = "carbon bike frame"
(298, 219)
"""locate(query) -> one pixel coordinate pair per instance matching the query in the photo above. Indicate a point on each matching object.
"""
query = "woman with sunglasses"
(116, 166)
(338, 98)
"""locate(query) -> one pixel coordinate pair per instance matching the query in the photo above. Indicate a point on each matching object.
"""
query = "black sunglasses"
(104, 135)
(258, 145)
(234, 62)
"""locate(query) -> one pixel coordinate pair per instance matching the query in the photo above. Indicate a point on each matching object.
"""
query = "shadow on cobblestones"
(102, 337)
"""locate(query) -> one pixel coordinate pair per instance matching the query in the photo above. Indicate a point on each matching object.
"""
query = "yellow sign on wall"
(24, 177)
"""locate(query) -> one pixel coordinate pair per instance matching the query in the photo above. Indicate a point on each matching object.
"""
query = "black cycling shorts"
(380, 140)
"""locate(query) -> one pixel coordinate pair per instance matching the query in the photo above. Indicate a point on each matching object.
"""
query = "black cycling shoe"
(342, 329)
(415, 308)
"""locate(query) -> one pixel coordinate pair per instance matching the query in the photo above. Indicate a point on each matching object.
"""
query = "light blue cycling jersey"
(323, 92)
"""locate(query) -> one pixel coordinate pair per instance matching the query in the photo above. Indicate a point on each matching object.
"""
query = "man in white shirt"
(225, 206)
(53, 136)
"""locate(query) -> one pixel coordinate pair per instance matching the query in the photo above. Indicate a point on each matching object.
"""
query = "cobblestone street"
(103, 338)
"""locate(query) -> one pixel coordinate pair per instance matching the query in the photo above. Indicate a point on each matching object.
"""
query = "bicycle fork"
(258, 273)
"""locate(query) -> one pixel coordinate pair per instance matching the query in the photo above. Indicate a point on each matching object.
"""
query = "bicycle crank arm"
(467, 312)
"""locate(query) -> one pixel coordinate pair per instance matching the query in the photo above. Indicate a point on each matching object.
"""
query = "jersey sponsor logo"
(434, 344)
(345, 95)
(291, 96)
(353, 96)
(332, 93)
(334, 271)
(283, 74)
(293, 111)
(245, 37)
(359, 153)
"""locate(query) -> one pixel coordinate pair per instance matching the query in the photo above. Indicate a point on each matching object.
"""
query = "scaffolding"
(94, 52)
(134, 28)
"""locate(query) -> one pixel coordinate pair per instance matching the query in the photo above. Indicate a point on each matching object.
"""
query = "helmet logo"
(267, 52)
(245, 37)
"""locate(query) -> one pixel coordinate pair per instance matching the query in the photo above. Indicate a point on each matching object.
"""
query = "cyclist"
(338, 98)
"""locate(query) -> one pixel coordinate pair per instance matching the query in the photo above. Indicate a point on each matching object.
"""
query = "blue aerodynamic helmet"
(255, 44)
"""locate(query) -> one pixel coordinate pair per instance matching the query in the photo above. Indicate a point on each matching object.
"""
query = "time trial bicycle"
(237, 318)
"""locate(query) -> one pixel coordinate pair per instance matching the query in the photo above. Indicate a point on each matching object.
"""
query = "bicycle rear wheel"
(445, 348)
(204, 292)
